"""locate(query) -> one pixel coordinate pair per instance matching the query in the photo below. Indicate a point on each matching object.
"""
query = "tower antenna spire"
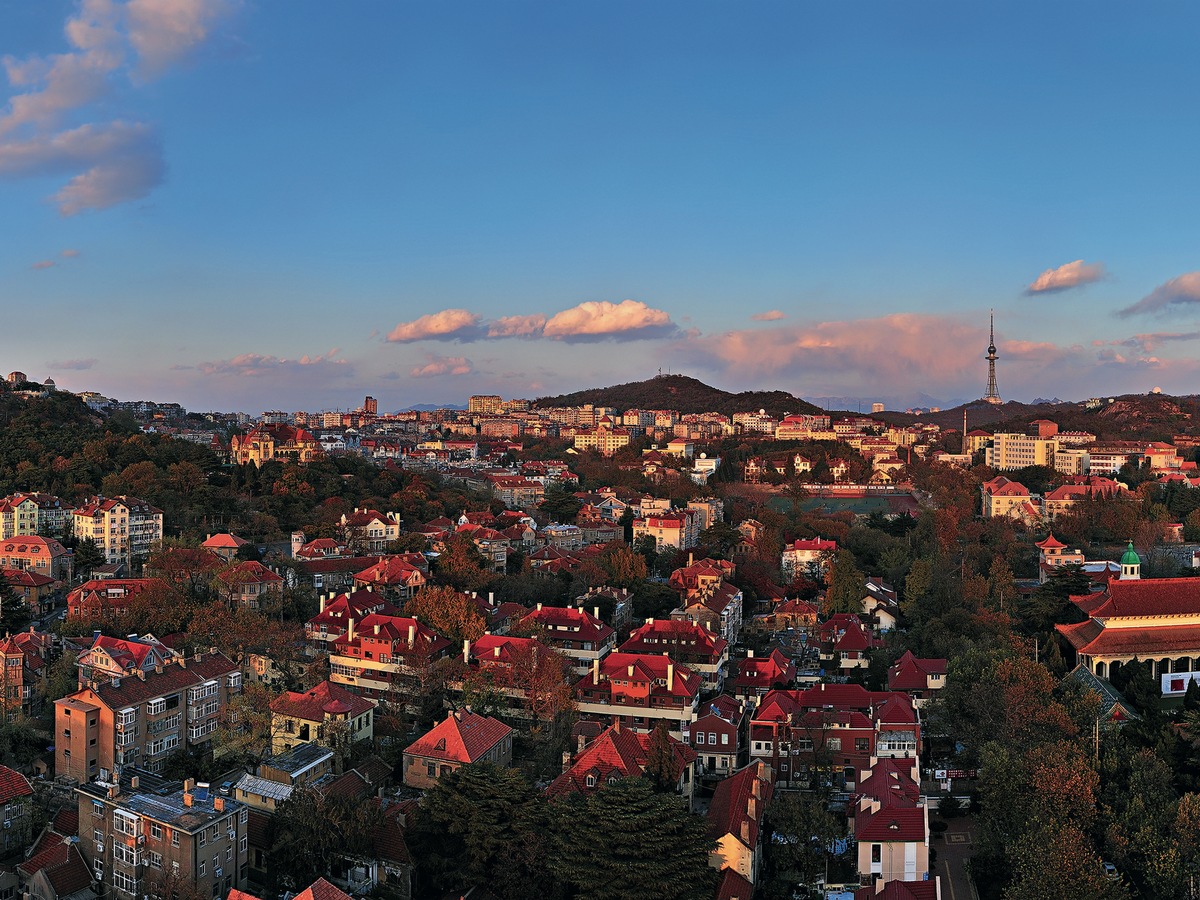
(993, 392)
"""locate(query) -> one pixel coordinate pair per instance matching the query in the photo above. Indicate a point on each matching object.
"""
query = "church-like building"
(1156, 621)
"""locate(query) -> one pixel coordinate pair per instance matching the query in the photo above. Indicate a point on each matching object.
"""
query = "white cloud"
(167, 32)
(108, 162)
(446, 325)
(599, 319)
(1069, 275)
(443, 365)
(1178, 292)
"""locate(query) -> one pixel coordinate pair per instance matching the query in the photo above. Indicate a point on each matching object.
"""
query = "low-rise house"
(461, 739)
(808, 557)
(715, 737)
(1005, 497)
(336, 612)
(620, 599)
(39, 555)
(384, 656)
(735, 819)
(368, 530)
(15, 807)
(844, 642)
(573, 632)
(699, 649)
(225, 545)
(921, 679)
(639, 690)
(715, 608)
(56, 870)
(38, 591)
(326, 714)
(757, 675)
(893, 844)
(110, 658)
(104, 597)
(302, 765)
(618, 753)
(249, 583)
(393, 577)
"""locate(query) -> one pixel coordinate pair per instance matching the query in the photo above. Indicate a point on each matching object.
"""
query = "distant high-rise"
(993, 392)
(371, 406)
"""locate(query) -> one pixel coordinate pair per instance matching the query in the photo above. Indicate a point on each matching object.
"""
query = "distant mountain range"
(682, 393)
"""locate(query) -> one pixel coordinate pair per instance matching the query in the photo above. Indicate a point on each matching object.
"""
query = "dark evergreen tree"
(14, 611)
(627, 842)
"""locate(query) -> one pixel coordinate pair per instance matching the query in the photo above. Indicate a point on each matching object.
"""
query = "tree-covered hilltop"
(1156, 417)
(685, 394)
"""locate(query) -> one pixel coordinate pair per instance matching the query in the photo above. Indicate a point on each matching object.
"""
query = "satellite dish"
(704, 456)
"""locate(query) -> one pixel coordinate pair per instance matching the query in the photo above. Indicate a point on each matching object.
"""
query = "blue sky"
(252, 205)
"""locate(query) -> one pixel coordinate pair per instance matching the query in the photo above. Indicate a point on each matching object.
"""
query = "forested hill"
(1128, 417)
(687, 395)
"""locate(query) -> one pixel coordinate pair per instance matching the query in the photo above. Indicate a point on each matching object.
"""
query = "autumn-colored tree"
(450, 613)
(461, 565)
(846, 585)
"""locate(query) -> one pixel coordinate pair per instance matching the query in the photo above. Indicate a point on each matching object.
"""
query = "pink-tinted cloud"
(1178, 292)
(1066, 276)
(73, 365)
(773, 315)
(517, 326)
(256, 365)
(43, 264)
(443, 365)
(166, 32)
(69, 253)
(600, 320)
(447, 325)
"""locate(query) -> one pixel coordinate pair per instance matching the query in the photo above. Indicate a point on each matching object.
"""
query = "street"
(954, 848)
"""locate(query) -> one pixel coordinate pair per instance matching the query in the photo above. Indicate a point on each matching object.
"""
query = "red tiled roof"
(127, 691)
(311, 705)
(225, 541)
(66, 820)
(63, 866)
(741, 799)
(734, 887)
(322, 890)
(1153, 597)
(462, 737)
(12, 785)
(891, 823)
(901, 890)
(1093, 639)
(615, 753)
(912, 674)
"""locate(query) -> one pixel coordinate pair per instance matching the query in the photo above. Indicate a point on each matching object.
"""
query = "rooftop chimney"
(670, 677)
(412, 636)
(350, 628)
(749, 654)
(467, 651)
(187, 798)
(134, 781)
(219, 804)
(113, 790)
(596, 670)
(321, 606)
(596, 611)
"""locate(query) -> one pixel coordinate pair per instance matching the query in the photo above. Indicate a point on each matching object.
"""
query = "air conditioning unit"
(7, 823)
(99, 847)
(232, 834)
(141, 838)
(217, 872)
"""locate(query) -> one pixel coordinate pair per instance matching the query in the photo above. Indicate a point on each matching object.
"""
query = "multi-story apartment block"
(138, 721)
(25, 513)
(125, 528)
(148, 837)
(485, 404)
(1016, 451)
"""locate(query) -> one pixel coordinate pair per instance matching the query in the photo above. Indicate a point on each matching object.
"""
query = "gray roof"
(263, 787)
(300, 758)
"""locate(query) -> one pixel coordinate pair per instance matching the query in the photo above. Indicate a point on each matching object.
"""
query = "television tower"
(993, 392)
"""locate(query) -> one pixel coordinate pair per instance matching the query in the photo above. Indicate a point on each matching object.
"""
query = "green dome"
(1130, 557)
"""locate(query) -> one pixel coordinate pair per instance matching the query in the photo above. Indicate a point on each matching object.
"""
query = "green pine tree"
(627, 842)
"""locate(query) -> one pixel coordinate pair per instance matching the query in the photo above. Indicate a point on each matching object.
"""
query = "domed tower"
(1131, 564)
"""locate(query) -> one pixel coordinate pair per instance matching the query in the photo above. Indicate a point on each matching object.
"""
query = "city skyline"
(212, 203)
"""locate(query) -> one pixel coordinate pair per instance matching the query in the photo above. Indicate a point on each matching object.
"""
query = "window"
(725, 740)
(712, 738)
(174, 838)
(203, 840)
(591, 781)
(97, 809)
(833, 744)
(203, 868)
(155, 859)
(700, 737)
(98, 836)
(862, 745)
(876, 853)
(431, 770)
(242, 845)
